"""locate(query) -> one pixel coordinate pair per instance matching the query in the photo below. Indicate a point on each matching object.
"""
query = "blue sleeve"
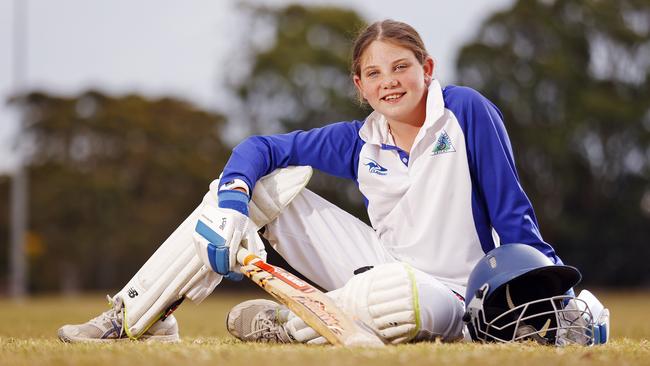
(332, 149)
(494, 176)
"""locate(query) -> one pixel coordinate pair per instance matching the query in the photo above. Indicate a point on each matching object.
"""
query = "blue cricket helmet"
(516, 292)
(509, 262)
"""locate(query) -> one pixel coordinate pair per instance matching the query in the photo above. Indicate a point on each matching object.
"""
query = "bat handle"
(245, 257)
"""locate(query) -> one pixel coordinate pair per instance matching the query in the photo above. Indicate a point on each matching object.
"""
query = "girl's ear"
(428, 66)
(359, 86)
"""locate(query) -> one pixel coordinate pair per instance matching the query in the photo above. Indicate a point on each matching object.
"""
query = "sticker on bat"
(286, 277)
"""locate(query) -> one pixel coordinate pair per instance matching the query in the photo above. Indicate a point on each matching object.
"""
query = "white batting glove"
(220, 231)
(217, 237)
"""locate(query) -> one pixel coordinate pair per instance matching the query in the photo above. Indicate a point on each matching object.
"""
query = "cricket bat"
(310, 304)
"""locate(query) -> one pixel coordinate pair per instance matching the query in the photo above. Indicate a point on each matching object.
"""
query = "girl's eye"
(372, 74)
(400, 67)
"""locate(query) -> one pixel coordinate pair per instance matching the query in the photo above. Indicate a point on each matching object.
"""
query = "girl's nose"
(391, 83)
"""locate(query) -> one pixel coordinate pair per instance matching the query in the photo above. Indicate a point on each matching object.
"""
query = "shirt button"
(405, 160)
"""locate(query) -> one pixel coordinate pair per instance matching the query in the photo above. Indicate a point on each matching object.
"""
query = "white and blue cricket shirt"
(436, 207)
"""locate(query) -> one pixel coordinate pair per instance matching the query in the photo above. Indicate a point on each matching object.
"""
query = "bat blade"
(314, 307)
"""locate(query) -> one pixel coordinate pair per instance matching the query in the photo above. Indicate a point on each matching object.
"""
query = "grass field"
(28, 337)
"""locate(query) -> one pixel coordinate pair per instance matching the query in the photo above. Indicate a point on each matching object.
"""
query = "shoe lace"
(266, 328)
(112, 315)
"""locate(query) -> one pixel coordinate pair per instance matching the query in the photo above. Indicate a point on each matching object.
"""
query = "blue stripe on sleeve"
(498, 200)
(333, 149)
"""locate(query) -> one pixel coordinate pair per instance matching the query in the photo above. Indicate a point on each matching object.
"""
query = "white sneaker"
(107, 327)
(258, 321)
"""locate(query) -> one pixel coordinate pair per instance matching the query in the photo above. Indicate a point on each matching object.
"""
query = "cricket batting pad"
(175, 272)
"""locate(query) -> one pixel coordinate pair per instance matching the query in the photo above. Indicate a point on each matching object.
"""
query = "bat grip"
(245, 257)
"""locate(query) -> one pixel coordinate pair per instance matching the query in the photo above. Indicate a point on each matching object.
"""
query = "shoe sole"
(173, 338)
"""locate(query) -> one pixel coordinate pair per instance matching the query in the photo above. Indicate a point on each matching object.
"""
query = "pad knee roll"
(275, 191)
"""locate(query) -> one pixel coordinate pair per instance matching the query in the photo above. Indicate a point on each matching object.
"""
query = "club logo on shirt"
(443, 144)
(375, 168)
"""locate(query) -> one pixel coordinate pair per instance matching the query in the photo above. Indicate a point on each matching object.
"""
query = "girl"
(435, 167)
(437, 174)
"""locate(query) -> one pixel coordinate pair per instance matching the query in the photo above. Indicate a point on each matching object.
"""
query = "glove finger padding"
(201, 245)
(253, 243)
(231, 253)
(218, 235)
(303, 333)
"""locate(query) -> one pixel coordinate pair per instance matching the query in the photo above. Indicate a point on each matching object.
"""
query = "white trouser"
(326, 245)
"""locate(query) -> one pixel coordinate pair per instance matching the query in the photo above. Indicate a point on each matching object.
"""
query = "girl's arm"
(495, 176)
(332, 149)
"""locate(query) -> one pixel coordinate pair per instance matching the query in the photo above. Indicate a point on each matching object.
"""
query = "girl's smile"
(394, 83)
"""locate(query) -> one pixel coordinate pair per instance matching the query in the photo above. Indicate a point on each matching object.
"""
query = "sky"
(175, 48)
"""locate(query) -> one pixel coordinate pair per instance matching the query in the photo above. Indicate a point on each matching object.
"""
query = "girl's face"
(393, 82)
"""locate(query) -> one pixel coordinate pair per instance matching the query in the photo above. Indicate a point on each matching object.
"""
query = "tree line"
(112, 176)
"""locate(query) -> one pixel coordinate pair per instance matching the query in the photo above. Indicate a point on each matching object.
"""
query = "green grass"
(28, 337)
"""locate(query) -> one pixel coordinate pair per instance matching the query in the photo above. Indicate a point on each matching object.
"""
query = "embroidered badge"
(375, 168)
(443, 144)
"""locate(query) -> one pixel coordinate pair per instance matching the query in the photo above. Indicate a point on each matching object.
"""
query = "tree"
(571, 78)
(299, 78)
(111, 178)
